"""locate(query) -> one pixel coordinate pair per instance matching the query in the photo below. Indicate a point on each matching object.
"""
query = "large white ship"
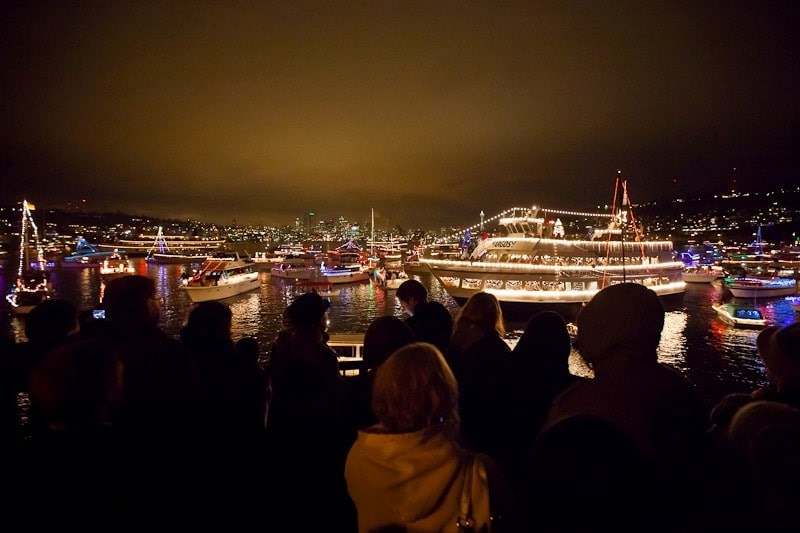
(533, 261)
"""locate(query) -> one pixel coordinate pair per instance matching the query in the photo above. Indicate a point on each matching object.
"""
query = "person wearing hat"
(303, 419)
(651, 405)
(619, 331)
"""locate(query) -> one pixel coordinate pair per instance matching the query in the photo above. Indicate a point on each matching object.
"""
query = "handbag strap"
(465, 522)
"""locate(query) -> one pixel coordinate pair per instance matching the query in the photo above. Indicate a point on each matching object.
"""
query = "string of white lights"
(27, 218)
(505, 213)
(575, 213)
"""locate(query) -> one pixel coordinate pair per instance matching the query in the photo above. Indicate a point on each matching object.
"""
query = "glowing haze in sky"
(428, 112)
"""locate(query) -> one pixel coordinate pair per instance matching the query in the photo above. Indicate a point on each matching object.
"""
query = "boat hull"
(702, 275)
(293, 273)
(108, 276)
(342, 277)
(393, 284)
(264, 265)
(545, 286)
(699, 278)
(723, 313)
(80, 264)
(323, 289)
(416, 267)
(762, 292)
(23, 302)
(762, 288)
(247, 283)
(175, 259)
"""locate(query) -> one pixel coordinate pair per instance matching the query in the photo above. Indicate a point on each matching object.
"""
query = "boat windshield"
(748, 313)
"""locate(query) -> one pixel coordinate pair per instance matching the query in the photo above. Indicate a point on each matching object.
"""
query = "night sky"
(428, 112)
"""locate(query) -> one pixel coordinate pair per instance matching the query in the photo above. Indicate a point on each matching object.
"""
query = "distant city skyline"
(788, 197)
(427, 112)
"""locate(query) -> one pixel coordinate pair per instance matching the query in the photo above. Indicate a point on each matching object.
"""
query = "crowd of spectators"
(445, 428)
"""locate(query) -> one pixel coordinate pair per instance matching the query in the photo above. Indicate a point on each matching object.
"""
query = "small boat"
(745, 287)
(744, 317)
(294, 268)
(85, 255)
(144, 245)
(218, 279)
(326, 290)
(390, 281)
(264, 261)
(702, 273)
(32, 284)
(179, 251)
(335, 276)
(345, 266)
(31, 289)
(414, 266)
(115, 266)
(175, 259)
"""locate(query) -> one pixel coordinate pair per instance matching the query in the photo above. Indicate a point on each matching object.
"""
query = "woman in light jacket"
(408, 471)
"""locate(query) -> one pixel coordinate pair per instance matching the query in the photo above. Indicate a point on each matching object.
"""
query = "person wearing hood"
(646, 403)
(407, 472)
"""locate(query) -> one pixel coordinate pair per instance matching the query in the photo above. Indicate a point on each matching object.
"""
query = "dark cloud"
(428, 112)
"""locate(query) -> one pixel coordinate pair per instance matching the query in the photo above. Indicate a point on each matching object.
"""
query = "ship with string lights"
(32, 285)
(532, 261)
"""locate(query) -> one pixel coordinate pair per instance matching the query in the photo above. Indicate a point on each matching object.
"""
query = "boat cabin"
(748, 314)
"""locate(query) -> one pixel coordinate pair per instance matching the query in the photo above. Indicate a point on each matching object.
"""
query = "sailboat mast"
(28, 226)
(372, 236)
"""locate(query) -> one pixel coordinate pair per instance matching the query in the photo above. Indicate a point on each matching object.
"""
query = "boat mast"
(621, 182)
(24, 253)
(372, 236)
(158, 243)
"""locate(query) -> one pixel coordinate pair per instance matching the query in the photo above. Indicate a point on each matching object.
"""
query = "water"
(718, 358)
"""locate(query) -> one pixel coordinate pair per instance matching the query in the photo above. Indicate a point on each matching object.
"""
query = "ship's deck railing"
(349, 347)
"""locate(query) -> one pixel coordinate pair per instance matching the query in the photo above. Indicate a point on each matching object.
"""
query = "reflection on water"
(717, 357)
(672, 348)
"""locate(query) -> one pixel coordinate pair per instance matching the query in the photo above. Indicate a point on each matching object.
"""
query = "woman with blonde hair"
(481, 361)
(408, 472)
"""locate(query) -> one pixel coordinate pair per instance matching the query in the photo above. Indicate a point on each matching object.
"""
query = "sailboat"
(176, 251)
(373, 260)
(32, 285)
(85, 256)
